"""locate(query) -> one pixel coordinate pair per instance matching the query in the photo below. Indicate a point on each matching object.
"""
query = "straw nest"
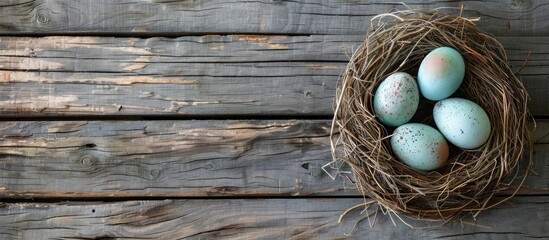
(397, 42)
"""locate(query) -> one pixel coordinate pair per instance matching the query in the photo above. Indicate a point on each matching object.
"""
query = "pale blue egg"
(396, 99)
(440, 73)
(463, 122)
(420, 146)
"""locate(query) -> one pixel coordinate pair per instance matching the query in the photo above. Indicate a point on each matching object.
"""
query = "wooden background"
(203, 119)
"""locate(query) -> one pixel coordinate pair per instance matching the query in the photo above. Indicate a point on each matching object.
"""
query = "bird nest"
(468, 183)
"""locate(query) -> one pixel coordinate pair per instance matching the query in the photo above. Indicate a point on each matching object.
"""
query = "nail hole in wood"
(91, 145)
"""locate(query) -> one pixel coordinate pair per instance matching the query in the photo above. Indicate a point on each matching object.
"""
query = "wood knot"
(42, 16)
(520, 4)
(155, 173)
(87, 160)
(315, 172)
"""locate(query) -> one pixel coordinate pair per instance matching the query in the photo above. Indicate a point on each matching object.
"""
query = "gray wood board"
(79, 159)
(522, 218)
(518, 18)
(200, 75)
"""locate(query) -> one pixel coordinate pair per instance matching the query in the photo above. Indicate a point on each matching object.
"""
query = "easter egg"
(463, 122)
(440, 73)
(420, 146)
(396, 99)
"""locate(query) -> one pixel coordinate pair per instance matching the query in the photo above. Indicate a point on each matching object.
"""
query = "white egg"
(463, 122)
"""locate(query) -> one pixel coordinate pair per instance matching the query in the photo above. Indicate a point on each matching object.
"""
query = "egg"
(420, 146)
(463, 122)
(396, 99)
(440, 73)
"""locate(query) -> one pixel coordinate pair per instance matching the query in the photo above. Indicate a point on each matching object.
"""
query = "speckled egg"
(463, 122)
(420, 146)
(440, 73)
(396, 99)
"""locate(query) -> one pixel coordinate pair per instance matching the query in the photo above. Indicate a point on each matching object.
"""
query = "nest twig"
(397, 42)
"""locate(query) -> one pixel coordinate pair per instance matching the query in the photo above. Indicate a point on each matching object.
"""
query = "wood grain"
(141, 17)
(157, 158)
(205, 179)
(102, 159)
(200, 75)
(522, 218)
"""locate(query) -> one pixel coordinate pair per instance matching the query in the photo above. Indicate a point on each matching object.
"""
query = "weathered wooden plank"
(274, 75)
(156, 158)
(137, 55)
(525, 218)
(53, 53)
(520, 18)
(79, 159)
(84, 94)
